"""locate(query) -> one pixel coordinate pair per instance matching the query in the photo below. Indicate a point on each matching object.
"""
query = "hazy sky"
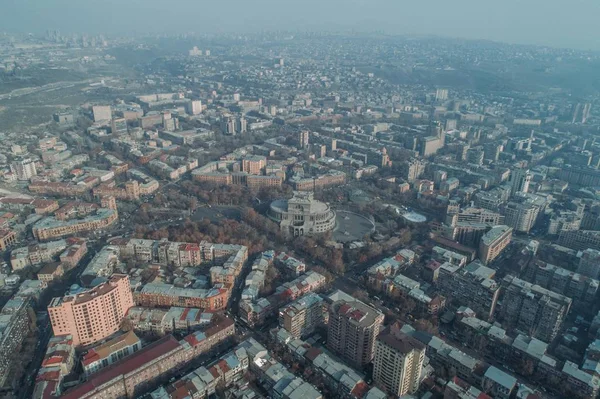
(560, 23)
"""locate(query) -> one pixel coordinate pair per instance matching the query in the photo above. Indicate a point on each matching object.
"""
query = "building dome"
(302, 214)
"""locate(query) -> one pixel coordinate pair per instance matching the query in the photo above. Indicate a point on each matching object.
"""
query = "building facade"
(302, 215)
(398, 362)
(302, 316)
(493, 243)
(352, 330)
(94, 314)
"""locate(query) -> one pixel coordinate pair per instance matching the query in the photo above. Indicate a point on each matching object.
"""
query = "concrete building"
(165, 321)
(581, 289)
(499, 384)
(472, 285)
(520, 215)
(589, 263)
(537, 311)
(165, 295)
(519, 180)
(415, 169)
(493, 243)
(50, 227)
(302, 316)
(24, 169)
(254, 164)
(475, 155)
(398, 362)
(303, 138)
(580, 239)
(94, 314)
(302, 215)
(352, 330)
(449, 185)
(194, 107)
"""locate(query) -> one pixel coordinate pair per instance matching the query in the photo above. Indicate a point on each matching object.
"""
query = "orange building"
(93, 315)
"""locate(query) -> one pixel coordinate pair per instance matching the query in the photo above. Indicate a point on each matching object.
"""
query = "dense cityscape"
(297, 215)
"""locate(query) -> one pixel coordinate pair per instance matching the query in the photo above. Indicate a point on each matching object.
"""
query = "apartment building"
(398, 361)
(202, 382)
(130, 191)
(67, 189)
(580, 240)
(352, 330)
(128, 376)
(302, 316)
(332, 178)
(36, 254)
(472, 285)
(341, 379)
(94, 314)
(50, 227)
(254, 164)
(164, 321)
(256, 311)
(535, 310)
(581, 289)
(166, 295)
(494, 242)
(589, 263)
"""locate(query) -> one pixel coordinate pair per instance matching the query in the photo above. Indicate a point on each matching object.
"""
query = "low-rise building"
(58, 362)
(110, 352)
(164, 321)
(50, 227)
(128, 376)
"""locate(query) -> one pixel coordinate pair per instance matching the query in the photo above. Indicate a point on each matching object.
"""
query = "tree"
(426, 325)
(361, 295)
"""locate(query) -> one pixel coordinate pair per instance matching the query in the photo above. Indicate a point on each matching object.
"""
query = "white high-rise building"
(24, 169)
(519, 180)
(398, 361)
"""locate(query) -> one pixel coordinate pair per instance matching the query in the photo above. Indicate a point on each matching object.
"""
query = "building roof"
(401, 342)
(126, 365)
(501, 378)
(111, 346)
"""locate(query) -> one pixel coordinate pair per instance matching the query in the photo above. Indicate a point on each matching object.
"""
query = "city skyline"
(555, 24)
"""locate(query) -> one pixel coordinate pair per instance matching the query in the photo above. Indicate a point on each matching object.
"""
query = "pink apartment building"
(94, 314)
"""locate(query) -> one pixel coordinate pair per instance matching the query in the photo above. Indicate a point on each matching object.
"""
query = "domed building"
(302, 214)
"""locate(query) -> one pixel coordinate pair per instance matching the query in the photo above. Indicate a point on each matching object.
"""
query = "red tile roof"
(126, 365)
(360, 389)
